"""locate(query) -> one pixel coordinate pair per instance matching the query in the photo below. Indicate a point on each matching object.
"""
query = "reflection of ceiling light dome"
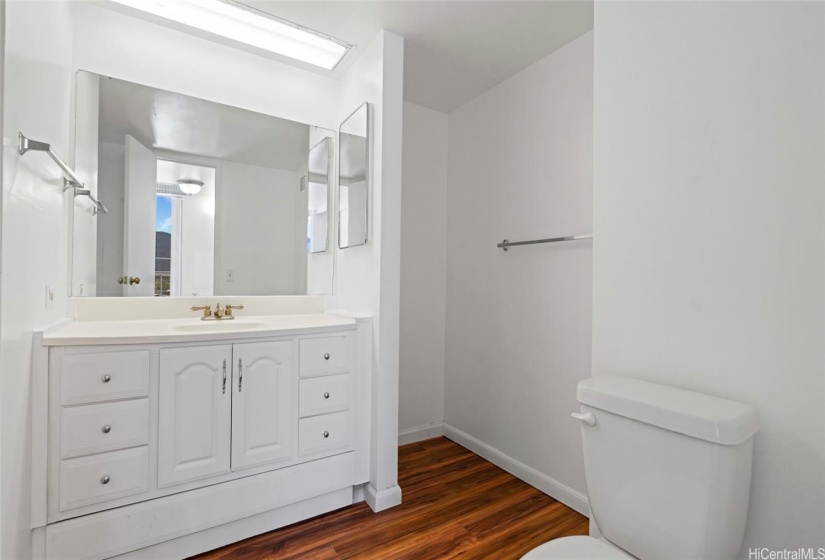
(190, 186)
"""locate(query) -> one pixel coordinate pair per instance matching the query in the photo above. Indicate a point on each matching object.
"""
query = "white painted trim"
(385, 499)
(531, 476)
(39, 430)
(420, 433)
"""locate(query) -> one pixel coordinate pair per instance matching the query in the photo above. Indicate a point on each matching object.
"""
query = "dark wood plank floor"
(456, 505)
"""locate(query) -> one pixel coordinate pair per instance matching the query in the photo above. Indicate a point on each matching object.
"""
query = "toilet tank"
(668, 470)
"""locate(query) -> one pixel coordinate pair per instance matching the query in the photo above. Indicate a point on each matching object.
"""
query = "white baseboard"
(531, 476)
(385, 499)
(420, 433)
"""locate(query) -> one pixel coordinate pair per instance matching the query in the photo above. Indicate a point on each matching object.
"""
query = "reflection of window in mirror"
(163, 245)
(185, 230)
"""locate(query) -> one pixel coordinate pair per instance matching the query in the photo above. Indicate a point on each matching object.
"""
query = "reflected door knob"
(134, 280)
(122, 279)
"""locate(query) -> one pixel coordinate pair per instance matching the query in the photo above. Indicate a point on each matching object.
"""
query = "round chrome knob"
(326, 434)
(107, 378)
(326, 395)
(105, 479)
(107, 428)
(326, 356)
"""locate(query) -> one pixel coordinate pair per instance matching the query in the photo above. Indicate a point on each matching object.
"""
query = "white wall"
(423, 271)
(197, 239)
(256, 230)
(82, 220)
(368, 276)
(519, 322)
(36, 98)
(710, 238)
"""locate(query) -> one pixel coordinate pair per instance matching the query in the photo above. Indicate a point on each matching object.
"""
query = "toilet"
(667, 470)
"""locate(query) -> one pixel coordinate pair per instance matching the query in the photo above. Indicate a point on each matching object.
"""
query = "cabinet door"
(262, 403)
(194, 413)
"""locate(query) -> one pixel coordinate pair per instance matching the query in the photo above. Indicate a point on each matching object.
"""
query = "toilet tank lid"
(705, 417)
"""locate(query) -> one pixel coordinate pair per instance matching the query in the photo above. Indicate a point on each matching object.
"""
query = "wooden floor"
(456, 505)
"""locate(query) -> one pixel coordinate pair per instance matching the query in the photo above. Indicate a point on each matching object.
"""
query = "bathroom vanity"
(181, 435)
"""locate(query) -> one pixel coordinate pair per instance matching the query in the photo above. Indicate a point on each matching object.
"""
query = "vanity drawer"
(327, 355)
(324, 433)
(323, 395)
(103, 427)
(98, 478)
(106, 376)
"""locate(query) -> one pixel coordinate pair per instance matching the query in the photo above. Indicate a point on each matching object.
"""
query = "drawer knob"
(107, 428)
(326, 395)
(326, 434)
(105, 479)
(326, 356)
(107, 378)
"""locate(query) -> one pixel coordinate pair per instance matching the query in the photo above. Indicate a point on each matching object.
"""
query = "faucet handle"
(207, 310)
(229, 309)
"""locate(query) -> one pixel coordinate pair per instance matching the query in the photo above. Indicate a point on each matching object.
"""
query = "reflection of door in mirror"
(259, 223)
(139, 219)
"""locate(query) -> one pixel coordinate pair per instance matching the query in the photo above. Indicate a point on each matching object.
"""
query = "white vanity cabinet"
(194, 413)
(147, 443)
(263, 413)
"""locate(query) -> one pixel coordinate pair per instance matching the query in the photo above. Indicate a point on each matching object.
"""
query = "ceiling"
(170, 121)
(453, 50)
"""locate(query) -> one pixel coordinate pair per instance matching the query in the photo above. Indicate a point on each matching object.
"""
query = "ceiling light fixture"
(190, 186)
(241, 23)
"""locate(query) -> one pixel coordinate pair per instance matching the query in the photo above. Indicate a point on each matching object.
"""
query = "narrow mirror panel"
(353, 178)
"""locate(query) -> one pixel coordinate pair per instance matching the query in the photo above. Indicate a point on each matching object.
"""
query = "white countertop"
(149, 331)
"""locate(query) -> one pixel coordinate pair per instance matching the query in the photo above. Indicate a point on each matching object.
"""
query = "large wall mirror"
(353, 178)
(204, 199)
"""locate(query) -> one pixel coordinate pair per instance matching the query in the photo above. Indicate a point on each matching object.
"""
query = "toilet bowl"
(667, 472)
(577, 548)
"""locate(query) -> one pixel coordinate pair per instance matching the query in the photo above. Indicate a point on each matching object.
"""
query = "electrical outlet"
(49, 296)
(230, 275)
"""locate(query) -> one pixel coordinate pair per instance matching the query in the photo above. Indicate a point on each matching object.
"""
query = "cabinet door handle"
(240, 374)
(224, 377)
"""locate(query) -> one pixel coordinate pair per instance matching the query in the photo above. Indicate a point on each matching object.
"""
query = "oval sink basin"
(224, 325)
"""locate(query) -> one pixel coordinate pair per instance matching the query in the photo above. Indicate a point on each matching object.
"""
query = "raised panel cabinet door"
(263, 410)
(195, 412)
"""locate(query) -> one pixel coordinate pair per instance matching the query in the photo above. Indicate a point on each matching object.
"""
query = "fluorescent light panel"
(240, 23)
